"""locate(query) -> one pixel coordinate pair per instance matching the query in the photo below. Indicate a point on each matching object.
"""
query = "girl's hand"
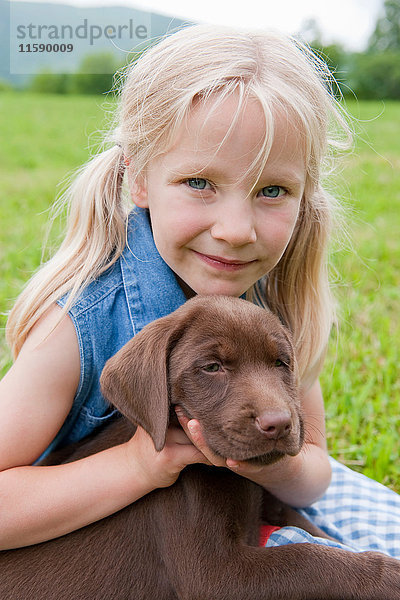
(193, 431)
(292, 479)
(161, 469)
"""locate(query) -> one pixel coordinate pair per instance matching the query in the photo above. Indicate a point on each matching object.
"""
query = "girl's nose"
(235, 224)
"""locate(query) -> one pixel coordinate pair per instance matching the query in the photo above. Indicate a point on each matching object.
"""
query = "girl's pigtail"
(95, 237)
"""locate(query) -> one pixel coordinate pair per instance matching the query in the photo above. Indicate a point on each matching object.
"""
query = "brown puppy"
(230, 365)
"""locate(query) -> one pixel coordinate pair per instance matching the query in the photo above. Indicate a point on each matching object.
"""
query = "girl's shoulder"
(102, 324)
(128, 275)
(102, 318)
(97, 291)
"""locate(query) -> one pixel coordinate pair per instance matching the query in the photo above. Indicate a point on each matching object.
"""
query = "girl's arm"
(40, 503)
(297, 480)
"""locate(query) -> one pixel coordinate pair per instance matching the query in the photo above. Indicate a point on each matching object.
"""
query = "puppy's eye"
(212, 368)
(280, 363)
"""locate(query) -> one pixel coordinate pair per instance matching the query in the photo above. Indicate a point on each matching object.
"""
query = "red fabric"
(265, 532)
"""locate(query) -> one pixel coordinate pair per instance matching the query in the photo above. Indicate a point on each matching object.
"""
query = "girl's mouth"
(223, 264)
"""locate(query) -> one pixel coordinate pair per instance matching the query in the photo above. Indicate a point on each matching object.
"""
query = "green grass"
(46, 137)
(361, 379)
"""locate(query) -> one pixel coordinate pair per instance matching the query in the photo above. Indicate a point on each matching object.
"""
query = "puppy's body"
(230, 365)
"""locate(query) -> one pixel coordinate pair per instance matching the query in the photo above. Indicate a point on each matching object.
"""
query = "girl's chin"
(211, 288)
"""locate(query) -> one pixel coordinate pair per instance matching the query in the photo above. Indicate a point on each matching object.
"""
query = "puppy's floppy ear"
(135, 380)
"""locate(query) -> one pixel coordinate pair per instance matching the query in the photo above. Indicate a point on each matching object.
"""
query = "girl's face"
(217, 235)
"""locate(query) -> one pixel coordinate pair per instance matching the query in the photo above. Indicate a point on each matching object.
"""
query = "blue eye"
(273, 191)
(197, 183)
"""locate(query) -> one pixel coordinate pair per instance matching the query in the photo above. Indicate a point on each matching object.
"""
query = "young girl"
(220, 148)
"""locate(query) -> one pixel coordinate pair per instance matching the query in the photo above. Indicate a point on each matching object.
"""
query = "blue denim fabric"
(137, 289)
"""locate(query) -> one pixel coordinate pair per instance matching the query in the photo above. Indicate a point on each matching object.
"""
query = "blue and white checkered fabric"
(359, 512)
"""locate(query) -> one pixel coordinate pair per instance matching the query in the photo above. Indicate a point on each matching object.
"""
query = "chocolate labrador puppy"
(230, 365)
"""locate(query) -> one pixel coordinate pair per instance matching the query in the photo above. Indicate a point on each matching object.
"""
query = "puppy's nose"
(274, 425)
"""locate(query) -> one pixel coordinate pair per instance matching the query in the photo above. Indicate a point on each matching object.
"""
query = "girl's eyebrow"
(196, 169)
(288, 172)
(289, 175)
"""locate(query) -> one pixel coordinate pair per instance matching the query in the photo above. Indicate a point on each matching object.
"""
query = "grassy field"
(46, 137)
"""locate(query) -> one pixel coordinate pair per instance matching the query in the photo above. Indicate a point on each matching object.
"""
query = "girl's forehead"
(225, 131)
(214, 122)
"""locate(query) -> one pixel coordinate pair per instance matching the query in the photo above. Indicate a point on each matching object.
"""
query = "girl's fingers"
(183, 420)
(188, 452)
(196, 436)
(178, 436)
(193, 431)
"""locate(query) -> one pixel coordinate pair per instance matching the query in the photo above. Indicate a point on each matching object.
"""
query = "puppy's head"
(227, 363)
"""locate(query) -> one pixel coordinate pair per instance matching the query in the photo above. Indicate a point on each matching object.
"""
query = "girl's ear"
(135, 380)
(138, 189)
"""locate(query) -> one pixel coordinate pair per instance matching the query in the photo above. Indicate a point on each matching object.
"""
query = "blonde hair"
(157, 94)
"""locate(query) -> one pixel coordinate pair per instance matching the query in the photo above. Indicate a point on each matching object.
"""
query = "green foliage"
(337, 60)
(47, 137)
(369, 75)
(94, 76)
(335, 57)
(376, 76)
(364, 75)
(47, 82)
(5, 86)
(386, 36)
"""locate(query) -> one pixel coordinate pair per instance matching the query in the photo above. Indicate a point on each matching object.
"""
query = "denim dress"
(139, 288)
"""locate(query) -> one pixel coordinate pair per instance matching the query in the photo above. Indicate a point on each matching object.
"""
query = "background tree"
(371, 74)
(47, 82)
(375, 76)
(95, 74)
(333, 54)
(375, 73)
(387, 30)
